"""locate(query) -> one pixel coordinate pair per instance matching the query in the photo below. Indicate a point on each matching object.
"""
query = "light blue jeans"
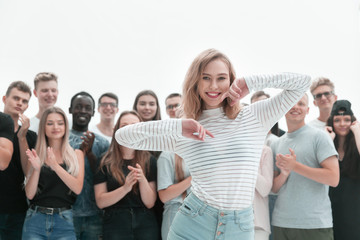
(196, 220)
(57, 226)
(169, 213)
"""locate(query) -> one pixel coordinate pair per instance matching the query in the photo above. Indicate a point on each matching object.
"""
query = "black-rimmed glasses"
(105, 104)
(170, 107)
(326, 94)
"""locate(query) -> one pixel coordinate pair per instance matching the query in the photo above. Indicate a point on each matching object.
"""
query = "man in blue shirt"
(87, 216)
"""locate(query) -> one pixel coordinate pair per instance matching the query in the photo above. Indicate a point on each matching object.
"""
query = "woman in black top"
(56, 177)
(125, 186)
(345, 198)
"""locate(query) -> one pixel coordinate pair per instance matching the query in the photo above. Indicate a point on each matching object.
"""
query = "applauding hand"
(286, 162)
(34, 159)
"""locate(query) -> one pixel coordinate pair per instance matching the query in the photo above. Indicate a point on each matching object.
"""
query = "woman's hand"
(34, 159)
(355, 127)
(130, 180)
(331, 132)
(237, 91)
(194, 130)
(138, 173)
(50, 159)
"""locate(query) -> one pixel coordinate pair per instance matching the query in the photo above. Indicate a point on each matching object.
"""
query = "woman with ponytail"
(53, 181)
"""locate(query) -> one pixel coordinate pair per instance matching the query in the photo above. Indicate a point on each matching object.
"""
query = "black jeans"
(130, 224)
(11, 225)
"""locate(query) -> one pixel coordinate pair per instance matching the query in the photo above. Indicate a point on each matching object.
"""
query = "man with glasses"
(108, 108)
(173, 102)
(322, 90)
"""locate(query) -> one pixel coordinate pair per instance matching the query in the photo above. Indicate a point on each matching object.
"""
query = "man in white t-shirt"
(323, 91)
(108, 108)
(46, 91)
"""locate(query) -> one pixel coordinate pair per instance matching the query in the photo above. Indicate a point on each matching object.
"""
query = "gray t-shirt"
(303, 203)
(166, 174)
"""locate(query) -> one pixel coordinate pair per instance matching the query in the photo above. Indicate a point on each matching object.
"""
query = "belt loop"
(237, 217)
(202, 209)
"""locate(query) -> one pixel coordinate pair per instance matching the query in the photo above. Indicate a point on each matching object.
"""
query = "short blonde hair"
(320, 82)
(193, 105)
(44, 77)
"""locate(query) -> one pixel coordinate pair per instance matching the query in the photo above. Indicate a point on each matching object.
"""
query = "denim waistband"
(202, 207)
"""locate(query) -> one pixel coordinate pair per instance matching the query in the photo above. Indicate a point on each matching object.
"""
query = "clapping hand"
(50, 159)
(130, 180)
(286, 162)
(34, 159)
(88, 140)
(138, 173)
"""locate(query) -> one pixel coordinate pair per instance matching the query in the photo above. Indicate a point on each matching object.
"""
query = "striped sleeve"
(151, 136)
(269, 111)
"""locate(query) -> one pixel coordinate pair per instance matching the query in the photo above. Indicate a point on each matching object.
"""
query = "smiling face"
(342, 125)
(47, 93)
(146, 107)
(82, 110)
(297, 114)
(324, 97)
(108, 108)
(213, 83)
(55, 126)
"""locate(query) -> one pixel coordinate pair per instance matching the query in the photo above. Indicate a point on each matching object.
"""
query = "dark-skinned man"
(87, 216)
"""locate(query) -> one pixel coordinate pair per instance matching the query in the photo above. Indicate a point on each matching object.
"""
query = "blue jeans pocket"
(246, 223)
(67, 216)
(29, 213)
(188, 210)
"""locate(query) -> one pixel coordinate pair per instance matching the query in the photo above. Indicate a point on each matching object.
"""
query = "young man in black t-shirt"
(6, 138)
(13, 204)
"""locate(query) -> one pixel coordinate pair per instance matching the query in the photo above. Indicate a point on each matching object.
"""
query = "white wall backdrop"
(129, 46)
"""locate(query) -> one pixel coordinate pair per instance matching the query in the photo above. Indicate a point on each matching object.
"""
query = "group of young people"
(207, 163)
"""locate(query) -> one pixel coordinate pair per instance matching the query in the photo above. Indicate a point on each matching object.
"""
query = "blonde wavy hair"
(193, 105)
(68, 153)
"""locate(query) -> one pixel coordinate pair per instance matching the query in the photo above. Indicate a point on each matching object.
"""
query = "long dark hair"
(114, 161)
(351, 160)
(151, 93)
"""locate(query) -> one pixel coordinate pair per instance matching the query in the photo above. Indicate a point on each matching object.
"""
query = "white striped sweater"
(224, 168)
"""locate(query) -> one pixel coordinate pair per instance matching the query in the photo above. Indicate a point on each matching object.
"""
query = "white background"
(128, 46)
